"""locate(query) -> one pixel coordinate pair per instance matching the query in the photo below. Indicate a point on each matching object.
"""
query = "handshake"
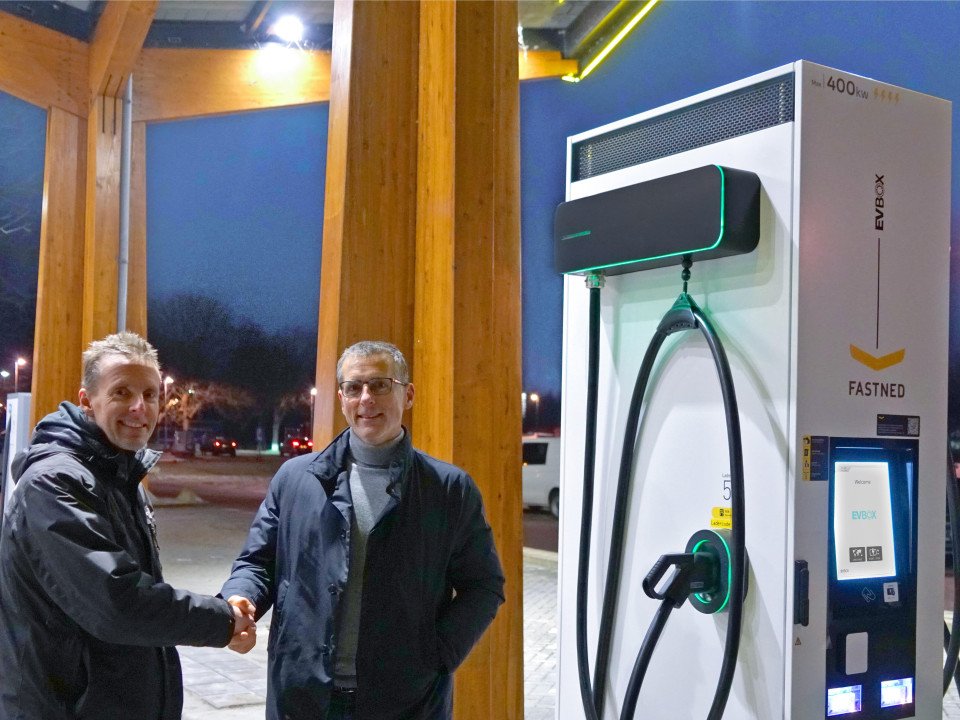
(244, 625)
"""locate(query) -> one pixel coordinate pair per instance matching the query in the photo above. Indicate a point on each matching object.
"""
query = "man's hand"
(244, 627)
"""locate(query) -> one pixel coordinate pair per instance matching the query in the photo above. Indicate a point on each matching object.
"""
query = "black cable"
(615, 561)
(738, 531)
(952, 636)
(946, 644)
(586, 518)
(684, 315)
(643, 658)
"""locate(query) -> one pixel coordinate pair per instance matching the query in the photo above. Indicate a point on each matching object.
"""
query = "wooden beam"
(536, 64)
(57, 339)
(174, 84)
(42, 67)
(171, 84)
(49, 69)
(116, 44)
(255, 17)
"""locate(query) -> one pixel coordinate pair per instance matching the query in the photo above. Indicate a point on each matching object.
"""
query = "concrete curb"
(542, 555)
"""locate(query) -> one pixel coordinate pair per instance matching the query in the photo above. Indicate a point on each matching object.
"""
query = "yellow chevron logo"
(877, 363)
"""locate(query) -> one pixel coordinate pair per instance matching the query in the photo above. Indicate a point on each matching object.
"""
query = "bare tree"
(291, 401)
(185, 400)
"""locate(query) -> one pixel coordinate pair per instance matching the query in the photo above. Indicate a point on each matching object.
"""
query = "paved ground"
(198, 544)
(539, 635)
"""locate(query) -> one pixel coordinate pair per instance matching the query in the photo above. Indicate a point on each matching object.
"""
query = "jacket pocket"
(68, 663)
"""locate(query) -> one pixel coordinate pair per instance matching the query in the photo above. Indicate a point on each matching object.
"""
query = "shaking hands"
(244, 626)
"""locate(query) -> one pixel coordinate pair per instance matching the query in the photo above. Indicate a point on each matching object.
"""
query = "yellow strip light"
(613, 43)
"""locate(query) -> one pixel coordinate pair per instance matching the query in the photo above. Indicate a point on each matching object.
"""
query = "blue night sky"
(235, 211)
(235, 203)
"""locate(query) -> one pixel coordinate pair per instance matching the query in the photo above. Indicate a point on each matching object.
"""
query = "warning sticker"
(814, 457)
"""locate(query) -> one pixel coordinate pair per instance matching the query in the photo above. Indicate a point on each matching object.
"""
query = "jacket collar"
(332, 461)
(68, 430)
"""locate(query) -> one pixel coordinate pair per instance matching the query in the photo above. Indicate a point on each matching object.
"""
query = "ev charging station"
(835, 325)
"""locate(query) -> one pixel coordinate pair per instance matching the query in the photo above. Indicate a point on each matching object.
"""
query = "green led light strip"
(666, 255)
(729, 573)
(576, 235)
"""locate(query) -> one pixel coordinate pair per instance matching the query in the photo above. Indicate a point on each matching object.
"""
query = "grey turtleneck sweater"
(369, 468)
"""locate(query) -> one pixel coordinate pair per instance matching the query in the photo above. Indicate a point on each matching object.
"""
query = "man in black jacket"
(378, 561)
(87, 625)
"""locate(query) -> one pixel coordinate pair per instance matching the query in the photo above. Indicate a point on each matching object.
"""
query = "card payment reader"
(871, 605)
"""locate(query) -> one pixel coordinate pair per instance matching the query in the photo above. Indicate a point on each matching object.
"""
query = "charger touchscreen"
(863, 521)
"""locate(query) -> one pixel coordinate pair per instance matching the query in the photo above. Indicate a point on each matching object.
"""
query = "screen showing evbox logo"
(863, 521)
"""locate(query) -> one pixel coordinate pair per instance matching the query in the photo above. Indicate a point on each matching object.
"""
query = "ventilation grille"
(721, 118)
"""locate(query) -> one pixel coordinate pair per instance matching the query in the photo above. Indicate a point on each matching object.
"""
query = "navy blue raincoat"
(431, 585)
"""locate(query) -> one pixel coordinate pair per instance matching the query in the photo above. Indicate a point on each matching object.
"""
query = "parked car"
(541, 472)
(296, 445)
(218, 445)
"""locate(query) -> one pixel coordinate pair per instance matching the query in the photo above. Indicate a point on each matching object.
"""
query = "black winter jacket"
(432, 540)
(87, 624)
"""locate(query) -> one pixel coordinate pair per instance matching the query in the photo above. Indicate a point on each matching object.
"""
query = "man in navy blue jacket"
(377, 559)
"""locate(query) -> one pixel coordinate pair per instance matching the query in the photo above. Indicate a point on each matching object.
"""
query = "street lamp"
(535, 399)
(16, 373)
(166, 383)
(313, 400)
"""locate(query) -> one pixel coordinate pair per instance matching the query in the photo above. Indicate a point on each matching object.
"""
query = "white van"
(541, 472)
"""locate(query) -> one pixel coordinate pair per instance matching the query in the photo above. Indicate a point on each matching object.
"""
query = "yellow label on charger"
(722, 518)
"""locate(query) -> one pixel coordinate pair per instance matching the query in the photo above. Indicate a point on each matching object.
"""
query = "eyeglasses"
(377, 386)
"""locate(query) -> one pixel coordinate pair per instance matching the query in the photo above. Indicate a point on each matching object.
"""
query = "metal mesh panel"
(720, 118)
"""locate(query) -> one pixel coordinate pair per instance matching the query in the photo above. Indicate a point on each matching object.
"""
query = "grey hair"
(126, 343)
(365, 348)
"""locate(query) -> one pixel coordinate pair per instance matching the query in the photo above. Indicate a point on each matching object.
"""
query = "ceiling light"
(289, 29)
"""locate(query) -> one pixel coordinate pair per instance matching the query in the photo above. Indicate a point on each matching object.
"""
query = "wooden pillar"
(57, 339)
(102, 215)
(433, 355)
(79, 240)
(112, 54)
(368, 257)
(487, 366)
(421, 247)
(77, 284)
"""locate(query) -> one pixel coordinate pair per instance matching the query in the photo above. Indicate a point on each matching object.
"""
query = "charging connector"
(694, 572)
